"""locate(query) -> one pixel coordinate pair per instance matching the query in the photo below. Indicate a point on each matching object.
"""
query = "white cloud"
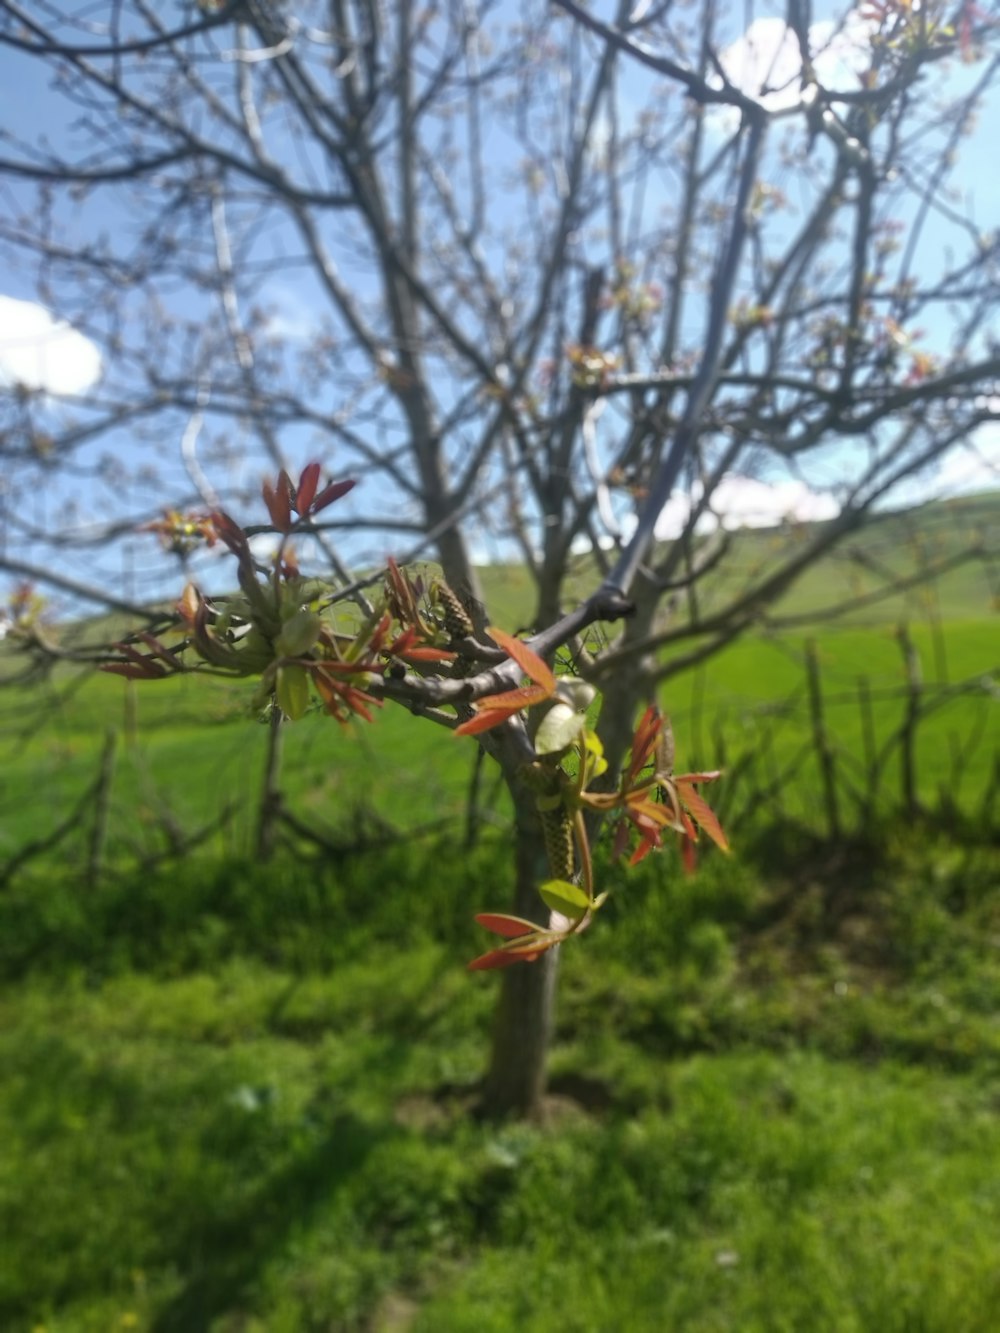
(44, 353)
(964, 470)
(742, 502)
(767, 56)
(973, 467)
(289, 317)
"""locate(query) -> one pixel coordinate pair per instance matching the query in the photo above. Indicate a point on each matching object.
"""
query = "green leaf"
(559, 729)
(299, 633)
(561, 896)
(594, 762)
(292, 691)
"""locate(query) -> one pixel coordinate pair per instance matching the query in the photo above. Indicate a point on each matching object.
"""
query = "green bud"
(299, 633)
(292, 690)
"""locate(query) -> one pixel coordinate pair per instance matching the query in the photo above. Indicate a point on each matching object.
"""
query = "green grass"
(200, 748)
(751, 705)
(241, 1102)
(239, 1098)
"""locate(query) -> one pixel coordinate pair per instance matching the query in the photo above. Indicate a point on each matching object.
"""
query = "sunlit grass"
(244, 1101)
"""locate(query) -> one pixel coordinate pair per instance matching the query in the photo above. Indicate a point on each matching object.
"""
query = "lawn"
(245, 1102)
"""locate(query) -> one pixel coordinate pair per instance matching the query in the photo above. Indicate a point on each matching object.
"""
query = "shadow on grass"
(163, 1160)
(223, 1254)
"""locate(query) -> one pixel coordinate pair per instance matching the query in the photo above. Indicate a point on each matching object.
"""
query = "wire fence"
(837, 753)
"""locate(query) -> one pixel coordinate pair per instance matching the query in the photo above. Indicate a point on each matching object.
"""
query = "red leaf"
(278, 499)
(644, 742)
(689, 856)
(506, 957)
(502, 924)
(512, 701)
(357, 700)
(486, 962)
(425, 654)
(152, 669)
(306, 489)
(530, 663)
(647, 812)
(230, 532)
(484, 721)
(160, 651)
(642, 851)
(701, 812)
(133, 672)
(330, 493)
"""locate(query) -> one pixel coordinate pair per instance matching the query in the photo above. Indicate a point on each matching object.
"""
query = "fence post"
(868, 746)
(821, 741)
(472, 798)
(911, 717)
(270, 796)
(102, 809)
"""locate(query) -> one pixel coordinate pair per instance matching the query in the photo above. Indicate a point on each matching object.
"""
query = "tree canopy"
(550, 282)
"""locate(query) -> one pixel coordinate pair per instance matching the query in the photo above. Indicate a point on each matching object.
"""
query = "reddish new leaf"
(483, 721)
(161, 651)
(340, 698)
(278, 499)
(402, 594)
(358, 701)
(424, 654)
(230, 532)
(152, 671)
(407, 645)
(330, 493)
(648, 844)
(507, 956)
(643, 742)
(502, 924)
(530, 663)
(305, 492)
(497, 708)
(689, 856)
(701, 812)
(512, 701)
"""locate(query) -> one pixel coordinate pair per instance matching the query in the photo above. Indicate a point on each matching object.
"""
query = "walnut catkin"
(557, 830)
(456, 618)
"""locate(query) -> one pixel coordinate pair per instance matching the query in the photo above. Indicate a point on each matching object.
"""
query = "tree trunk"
(270, 796)
(522, 1030)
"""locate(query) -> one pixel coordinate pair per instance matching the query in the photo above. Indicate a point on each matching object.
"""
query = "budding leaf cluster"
(284, 629)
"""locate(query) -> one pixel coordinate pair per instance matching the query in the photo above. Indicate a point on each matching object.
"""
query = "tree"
(562, 269)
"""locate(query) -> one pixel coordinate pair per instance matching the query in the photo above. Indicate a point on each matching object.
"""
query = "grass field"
(241, 1098)
(242, 1102)
(199, 747)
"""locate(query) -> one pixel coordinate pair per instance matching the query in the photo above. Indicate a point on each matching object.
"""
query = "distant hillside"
(899, 544)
